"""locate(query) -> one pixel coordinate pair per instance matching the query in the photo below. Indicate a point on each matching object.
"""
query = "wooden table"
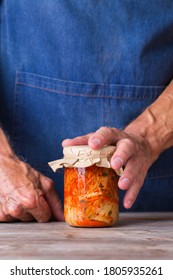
(135, 236)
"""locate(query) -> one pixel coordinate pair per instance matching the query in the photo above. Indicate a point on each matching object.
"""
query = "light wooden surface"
(136, 236)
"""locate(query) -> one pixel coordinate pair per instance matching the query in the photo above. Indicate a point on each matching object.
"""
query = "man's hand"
(138, 145)
(25, 194)
(132, 153)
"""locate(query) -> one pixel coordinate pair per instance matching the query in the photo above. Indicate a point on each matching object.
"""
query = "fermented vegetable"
(90, 196)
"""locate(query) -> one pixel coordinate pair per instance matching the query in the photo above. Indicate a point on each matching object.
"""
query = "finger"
(133, 171)
(29, 200)
(104, 136)
(52, 198)
(132, 193)
(132, 181)
(16, 212)
(80, 140)
(38, 207)
(5, 218)
(125, 150)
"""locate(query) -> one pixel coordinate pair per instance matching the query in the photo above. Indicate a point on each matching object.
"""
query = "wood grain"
(135, 236)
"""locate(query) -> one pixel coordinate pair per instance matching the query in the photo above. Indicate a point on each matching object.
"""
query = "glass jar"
(90, 186)
(90, 196)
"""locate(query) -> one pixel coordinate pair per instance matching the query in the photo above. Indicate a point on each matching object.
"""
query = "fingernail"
(59, 213)
(59, 204)
(129, 203)
(117, 162)
(125, 182)
(96, 142)
(48, 182)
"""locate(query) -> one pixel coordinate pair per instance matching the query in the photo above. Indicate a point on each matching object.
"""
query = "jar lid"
(84, 156)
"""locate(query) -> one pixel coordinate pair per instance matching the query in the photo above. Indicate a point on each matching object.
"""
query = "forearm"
(155, 124)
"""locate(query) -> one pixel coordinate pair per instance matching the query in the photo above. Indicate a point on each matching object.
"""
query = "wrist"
(144, 129)
(155, 124)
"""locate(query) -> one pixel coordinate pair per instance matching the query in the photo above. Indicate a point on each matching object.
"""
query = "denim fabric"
(69, 67)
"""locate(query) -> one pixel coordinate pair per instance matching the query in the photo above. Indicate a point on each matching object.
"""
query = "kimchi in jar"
(90, 187)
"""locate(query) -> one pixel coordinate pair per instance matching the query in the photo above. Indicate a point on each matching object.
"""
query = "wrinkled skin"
(25, 194)
(138, 145)
(133, 154)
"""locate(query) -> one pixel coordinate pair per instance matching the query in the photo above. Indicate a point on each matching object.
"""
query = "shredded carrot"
(90, 196)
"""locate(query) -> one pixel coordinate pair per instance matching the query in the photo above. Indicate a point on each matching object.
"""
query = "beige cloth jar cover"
(84, 156)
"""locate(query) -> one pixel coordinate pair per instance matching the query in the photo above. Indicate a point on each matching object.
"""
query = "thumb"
(52, 198)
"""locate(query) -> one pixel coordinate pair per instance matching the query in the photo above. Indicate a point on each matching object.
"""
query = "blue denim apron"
(69, 67)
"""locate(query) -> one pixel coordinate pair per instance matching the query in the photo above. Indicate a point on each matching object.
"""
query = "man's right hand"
(25, 194)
